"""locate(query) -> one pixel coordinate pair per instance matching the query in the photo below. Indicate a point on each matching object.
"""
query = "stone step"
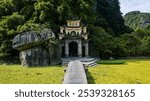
(92, 65)
(87, 62)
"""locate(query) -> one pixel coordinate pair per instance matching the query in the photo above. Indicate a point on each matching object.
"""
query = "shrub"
(111, 62)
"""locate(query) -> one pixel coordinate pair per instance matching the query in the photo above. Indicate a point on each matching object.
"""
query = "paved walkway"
(75, 73)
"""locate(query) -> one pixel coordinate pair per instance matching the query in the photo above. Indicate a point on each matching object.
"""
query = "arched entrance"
(73, 49)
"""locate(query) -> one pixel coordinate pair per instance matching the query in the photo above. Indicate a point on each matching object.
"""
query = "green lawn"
(123, 72)
(16, 74)
(131, 72)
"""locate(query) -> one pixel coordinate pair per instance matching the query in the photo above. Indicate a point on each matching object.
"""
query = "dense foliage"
(103, 17)
(137, 19)
(138, 44)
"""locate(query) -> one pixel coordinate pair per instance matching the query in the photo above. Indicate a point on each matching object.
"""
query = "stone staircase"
(87, 62)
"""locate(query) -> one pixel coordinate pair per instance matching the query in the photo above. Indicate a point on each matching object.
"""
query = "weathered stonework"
(33, 53)
(34, 57)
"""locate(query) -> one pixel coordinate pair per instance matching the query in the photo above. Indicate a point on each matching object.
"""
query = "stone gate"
(74, 39)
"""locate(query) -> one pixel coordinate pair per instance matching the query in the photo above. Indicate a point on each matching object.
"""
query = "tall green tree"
(8, 27)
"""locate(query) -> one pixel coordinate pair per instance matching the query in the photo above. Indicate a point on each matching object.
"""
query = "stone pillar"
(66, 49)
(87, 49)
(79, 49)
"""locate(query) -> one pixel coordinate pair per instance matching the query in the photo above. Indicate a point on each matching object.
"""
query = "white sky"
(132, 5)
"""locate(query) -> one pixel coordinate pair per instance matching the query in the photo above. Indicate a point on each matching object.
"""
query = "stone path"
(75, 73)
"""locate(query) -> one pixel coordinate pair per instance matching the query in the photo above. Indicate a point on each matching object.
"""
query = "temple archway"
(73, 49)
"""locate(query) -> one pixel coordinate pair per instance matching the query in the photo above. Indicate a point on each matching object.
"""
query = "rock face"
(25, 40)
(31, 39)
(34, 57)
(33, 52)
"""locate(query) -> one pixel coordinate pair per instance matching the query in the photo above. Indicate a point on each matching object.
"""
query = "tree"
(102, 42)
(131, 43)
(145, 47)
(110, 10)
(6, 7)
(8, 28)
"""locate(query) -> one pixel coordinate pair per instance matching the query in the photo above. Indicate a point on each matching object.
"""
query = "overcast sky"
(132, 5)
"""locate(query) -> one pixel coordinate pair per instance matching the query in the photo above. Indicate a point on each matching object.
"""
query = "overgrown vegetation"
(108, 35)
(16, 74)
(138, 42)
(134, 71)
(103, 18)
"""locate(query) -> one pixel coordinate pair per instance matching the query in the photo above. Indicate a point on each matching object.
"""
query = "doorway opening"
(63, 51)
(73, 49)
(83, 51)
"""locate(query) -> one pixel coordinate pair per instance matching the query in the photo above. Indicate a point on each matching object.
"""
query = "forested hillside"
(105, 24)
(137, 19)
(140, 22)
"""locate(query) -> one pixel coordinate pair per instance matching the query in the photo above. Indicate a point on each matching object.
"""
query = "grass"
(133, 71)
(16, 74)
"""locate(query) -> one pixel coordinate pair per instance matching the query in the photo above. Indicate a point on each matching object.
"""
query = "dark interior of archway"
(63, 51)
(73, 49)
(83, 51)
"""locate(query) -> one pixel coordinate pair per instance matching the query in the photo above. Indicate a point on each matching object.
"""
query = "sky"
(132, 5)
